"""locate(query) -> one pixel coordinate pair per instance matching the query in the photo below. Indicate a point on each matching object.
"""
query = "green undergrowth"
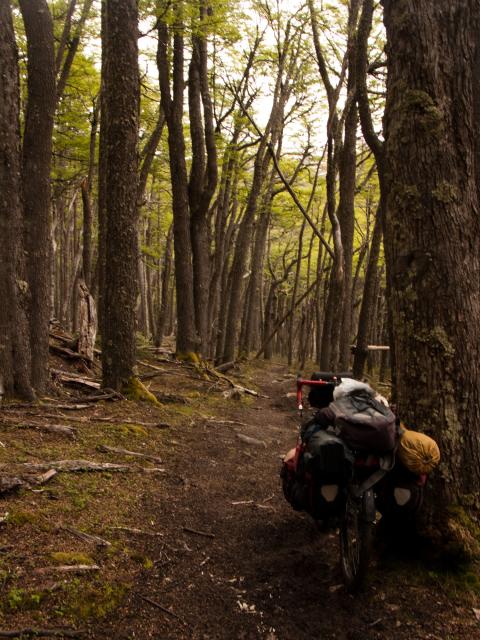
(83, 600)
(18, 599)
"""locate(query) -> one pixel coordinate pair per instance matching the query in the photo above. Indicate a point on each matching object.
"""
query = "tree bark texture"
(433, 228)
(14, 334)
(172, 105)
(365, 320)
(203, 176)
(122, 94)
(37, 153)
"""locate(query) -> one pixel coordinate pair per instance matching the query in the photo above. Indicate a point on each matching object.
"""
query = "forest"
(199, 200)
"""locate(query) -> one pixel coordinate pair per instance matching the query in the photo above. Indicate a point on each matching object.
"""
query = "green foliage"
(18, 599)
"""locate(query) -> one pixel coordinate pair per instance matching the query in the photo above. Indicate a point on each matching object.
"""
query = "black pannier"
(326, 466)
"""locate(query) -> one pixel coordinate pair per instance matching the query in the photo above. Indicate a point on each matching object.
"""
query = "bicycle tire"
(356, 542)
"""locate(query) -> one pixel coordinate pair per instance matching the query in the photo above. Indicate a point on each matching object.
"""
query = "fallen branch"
(150, 366)
(108, 394)
(10, 483)
(35, 632)
(138, 531)
(76, 465)
(61, 429)
(72, 379)
(87, 537)
(249, 440)
(234, 385)
(43, 478)
(226, 366)
(24, 405)
(69, 568)
(162, 608)
(205, 534)
(65, 352)
(105, 449)
(213, 420)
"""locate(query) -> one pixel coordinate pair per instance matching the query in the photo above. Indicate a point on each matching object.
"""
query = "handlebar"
(319, 379)
(311, 383)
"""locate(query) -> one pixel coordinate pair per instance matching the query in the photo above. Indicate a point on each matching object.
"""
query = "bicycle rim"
(356, 535)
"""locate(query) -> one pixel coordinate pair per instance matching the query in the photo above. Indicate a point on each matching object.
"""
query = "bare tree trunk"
(203, 176)
(294, 294)
(37, 153)
(87, 207)
(122, 94)
(86, 321)
(366, 310)
(172, 105)
(166, 272)
(15, 373)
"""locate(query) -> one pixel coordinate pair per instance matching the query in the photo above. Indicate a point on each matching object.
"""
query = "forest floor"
(200, 544)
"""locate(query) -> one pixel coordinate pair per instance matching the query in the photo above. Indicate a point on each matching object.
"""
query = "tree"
(172, 104)
(122, 92)
(432, 138)
(37, 154)
(14, 336)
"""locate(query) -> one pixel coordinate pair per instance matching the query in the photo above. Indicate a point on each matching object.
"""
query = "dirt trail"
(236, 562)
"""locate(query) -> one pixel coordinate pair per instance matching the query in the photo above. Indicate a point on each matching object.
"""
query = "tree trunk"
(366, 310)
(432, 143)
(122, 94)
(167, 268)
(14, 335)
(203, 176)
(37, 153)
(172, 105)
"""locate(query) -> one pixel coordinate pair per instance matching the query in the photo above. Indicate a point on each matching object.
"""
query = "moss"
(189, 356)
(95, 600)
(460, 537)
(21, 518)
(446, 192)
(136, 390)
(71, 557)
(428, 114)
(126, 429)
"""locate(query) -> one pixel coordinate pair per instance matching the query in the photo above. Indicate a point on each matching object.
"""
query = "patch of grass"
(71, 557)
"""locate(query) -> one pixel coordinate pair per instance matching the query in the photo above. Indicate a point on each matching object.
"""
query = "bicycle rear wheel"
(356, 540)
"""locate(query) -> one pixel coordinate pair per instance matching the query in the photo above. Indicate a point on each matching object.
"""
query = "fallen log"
(65, 352)
(72, 379)
(69, 568)
(10, 483)
(60, 429)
